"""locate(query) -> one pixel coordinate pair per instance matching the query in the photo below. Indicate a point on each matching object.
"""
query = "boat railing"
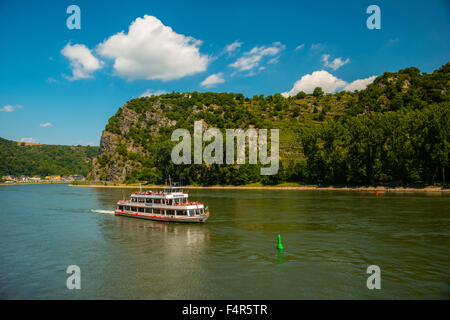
(194, 203)
(157, 193)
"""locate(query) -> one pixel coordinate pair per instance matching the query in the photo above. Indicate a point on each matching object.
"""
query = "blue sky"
(60, 86)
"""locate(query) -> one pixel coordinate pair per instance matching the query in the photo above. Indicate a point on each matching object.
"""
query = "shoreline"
(26, 183)
(381, 189)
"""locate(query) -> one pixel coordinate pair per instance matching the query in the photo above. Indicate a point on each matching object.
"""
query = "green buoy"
(280, 245)
(280, 249)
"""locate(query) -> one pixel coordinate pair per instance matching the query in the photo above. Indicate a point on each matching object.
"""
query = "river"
(329, 239)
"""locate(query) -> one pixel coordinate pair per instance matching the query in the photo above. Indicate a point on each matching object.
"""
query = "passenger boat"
(169, 204)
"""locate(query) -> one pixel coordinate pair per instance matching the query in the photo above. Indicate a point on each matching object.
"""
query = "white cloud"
(359, 84)
(233, 46)
(274, 60)
(82, 61)
(335, 64)
(150, 50)
(246, 63)
(46, 124)
(10, 108)
(212, 80)
(299, 47)
(253, 58)
(27, 140)
(52, 80)
(149, 93)
(323, 79)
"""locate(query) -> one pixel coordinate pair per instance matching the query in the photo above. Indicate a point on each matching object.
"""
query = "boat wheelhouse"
(169, 204)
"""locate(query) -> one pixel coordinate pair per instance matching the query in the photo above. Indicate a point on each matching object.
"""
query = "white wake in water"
(103, 211)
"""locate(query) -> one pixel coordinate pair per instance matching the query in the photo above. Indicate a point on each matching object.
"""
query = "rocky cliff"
(118, 149)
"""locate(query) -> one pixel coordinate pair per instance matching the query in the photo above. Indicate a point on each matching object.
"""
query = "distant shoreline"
(279, 187)
(25, 183)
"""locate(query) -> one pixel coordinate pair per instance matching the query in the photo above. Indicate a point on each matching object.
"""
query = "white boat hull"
(182, 219)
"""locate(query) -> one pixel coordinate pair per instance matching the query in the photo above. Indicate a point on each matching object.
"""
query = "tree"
(318, 92)
(300, 95)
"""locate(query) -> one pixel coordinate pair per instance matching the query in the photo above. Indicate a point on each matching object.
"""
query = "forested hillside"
(42, 160)
(394, 132)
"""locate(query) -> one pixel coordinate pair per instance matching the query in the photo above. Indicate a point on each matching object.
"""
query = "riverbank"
(25, 183)
(287, 186)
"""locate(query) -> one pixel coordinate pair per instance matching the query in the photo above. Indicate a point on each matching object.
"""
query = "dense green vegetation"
(394, 132)
(42, 160)
(380, 148)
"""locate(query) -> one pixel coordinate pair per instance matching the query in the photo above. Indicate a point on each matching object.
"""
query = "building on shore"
(36, 179)
(24, 179)
(53, 178)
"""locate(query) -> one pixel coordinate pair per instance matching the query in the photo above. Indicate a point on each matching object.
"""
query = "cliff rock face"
(112, 164)
(108, 143)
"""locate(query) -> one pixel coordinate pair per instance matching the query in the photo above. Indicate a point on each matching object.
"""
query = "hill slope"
(21, 159)
(394, 132)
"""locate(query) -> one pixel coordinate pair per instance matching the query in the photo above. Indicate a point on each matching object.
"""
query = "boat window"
(141, 209)
(157, 200)
(191, 212)
(181, 213)
(148, 200)
(148, 210)
(120, 208)
(141, 199)
(127, 208)
(156, 211)
(171, 212)
(133, 209)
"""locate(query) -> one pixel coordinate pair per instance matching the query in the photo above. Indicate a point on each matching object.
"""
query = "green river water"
(329, 239)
